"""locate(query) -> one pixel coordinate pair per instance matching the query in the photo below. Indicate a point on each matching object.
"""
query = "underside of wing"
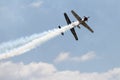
(76, 15)
(74, 33)
(85, 25)
(72, 30)
(67, 18)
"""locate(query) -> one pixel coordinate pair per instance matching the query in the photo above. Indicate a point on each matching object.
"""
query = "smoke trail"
(23, 45)
(4, 47)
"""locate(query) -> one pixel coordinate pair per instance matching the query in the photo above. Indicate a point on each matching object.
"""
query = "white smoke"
(20, 46)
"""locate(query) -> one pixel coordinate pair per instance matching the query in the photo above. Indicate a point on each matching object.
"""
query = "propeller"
(86, 18)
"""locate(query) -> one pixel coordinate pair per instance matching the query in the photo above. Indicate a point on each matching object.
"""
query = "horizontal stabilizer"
(60, 28)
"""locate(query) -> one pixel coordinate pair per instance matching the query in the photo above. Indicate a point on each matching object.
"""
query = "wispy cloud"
(66, 57)
(62, 57)
(45, 71)
(35, 4)
(88, 56)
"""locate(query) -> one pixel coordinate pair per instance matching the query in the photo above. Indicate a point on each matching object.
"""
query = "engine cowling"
(85, 18)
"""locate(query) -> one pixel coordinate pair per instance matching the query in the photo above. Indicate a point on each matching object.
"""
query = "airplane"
(80, 20)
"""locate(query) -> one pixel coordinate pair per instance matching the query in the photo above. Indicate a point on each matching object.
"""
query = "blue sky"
(20, 18)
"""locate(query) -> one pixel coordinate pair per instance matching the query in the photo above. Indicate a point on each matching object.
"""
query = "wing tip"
(72, 11)
(92, 31)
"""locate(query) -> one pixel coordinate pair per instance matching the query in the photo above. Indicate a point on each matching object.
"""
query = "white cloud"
(36, 4)
(20, 71)
(66, 57)
(88, 56)
(62, 57)
(45, 71)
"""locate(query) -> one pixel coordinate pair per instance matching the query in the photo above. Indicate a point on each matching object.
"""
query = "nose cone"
(85, 19)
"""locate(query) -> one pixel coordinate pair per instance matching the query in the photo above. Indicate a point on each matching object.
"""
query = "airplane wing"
(72, 30)
(85, 25)
(76, 15)
(67, 18)
(79, 19)
(74, 33)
